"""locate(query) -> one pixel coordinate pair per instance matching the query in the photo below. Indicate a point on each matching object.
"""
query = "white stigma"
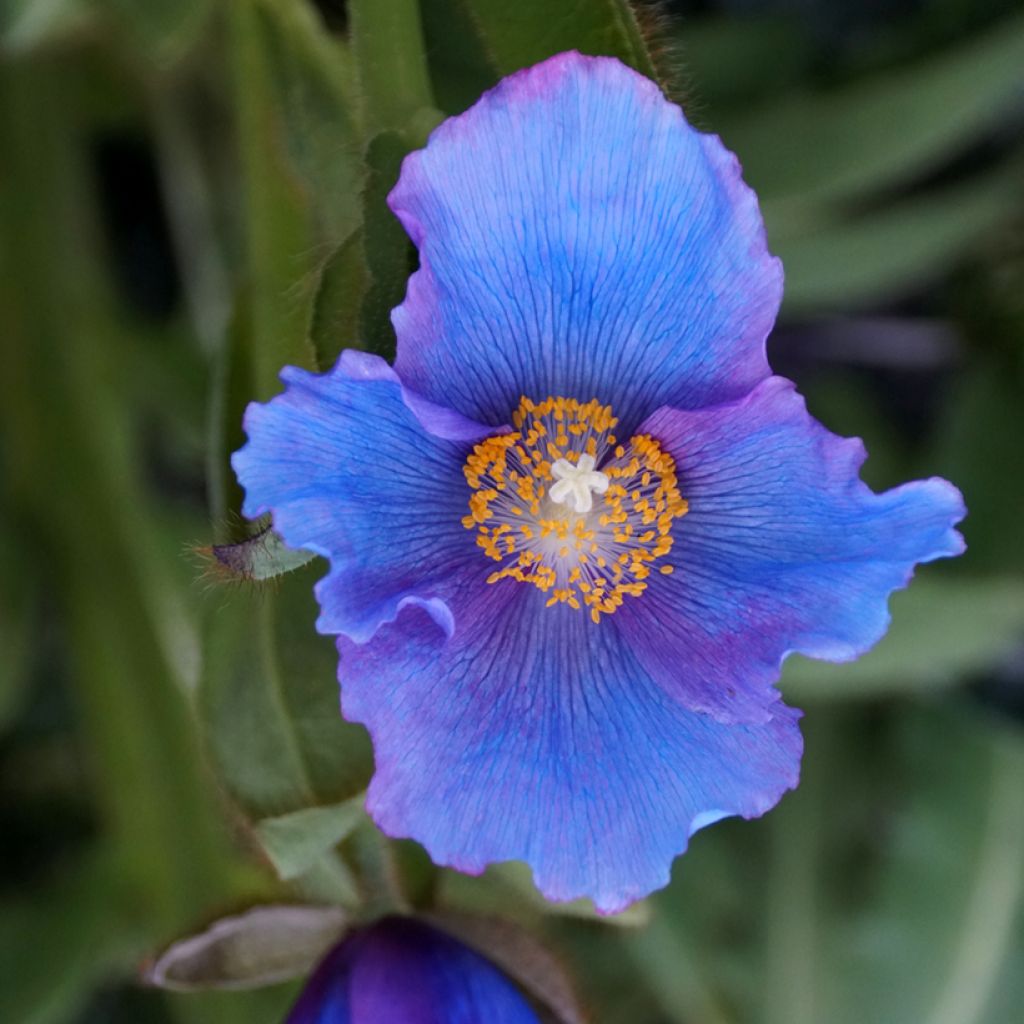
(577, 484)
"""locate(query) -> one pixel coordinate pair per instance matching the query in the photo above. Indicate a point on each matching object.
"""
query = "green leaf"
(461, 65)
(387, 250)
(263, 556)
(387, 43)
(269, 702)
(76, 921)
(230, 1006)
(988, 937)
(315, 102)
(671, 970)
(390, 57)
(162, 31)
(374, 859)
(344, 279)
(470, 37)
(979, 447)
(298, 141)
(295, 842)
(19, 596)
(938, 929)
(882, 130)
(387, 253)
(882, 255)
(331, 880)
(232, 383)
(944, 628)
(298, 152)
(737, 60)
(74, 473)
(25, 24)
(793, 926)
(884, 889)
(263, 946)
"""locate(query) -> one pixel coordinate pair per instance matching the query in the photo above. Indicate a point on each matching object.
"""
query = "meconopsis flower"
(576, 528)
(401, 971)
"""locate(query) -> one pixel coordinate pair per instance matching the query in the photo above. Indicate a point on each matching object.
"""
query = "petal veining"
(356, 468)
(533, 733)
(578, 237)
(784, 549)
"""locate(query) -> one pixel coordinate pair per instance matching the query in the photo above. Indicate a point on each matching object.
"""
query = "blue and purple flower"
(402, 971)
(577, 527)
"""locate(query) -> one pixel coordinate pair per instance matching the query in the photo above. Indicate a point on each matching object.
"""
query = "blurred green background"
(191, 195)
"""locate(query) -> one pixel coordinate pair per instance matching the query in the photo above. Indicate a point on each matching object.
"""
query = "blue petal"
(358, 469)
(783, 549)
(401, 971)
(577, 237)
(325, 998)
(535, 734)
(408, 973)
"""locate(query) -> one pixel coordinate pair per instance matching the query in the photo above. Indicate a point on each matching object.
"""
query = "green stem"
(71, 468)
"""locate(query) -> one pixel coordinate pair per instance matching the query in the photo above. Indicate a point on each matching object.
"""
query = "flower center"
(574, 483)
(562, 505)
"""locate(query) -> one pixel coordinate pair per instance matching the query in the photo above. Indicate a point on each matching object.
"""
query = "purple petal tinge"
(578, 240)
(401, 971)
(784, 549)
(361, 472)
(533, 733)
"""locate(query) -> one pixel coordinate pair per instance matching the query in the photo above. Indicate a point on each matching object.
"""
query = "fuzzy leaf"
(295, 842)
(297, 140)
(164, 30)
(262, 557)
(471, 42)
(387, 250)
(263, 946)
(387, 44)
(298, 148)
(344, 278)
(269, 702)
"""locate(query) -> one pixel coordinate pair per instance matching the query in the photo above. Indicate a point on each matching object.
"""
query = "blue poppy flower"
(577, 527)
(402, 971)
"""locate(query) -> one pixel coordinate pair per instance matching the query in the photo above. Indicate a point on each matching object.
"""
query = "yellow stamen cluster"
(592, 559)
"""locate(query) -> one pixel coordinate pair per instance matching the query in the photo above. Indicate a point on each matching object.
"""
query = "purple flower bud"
(402, 971)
